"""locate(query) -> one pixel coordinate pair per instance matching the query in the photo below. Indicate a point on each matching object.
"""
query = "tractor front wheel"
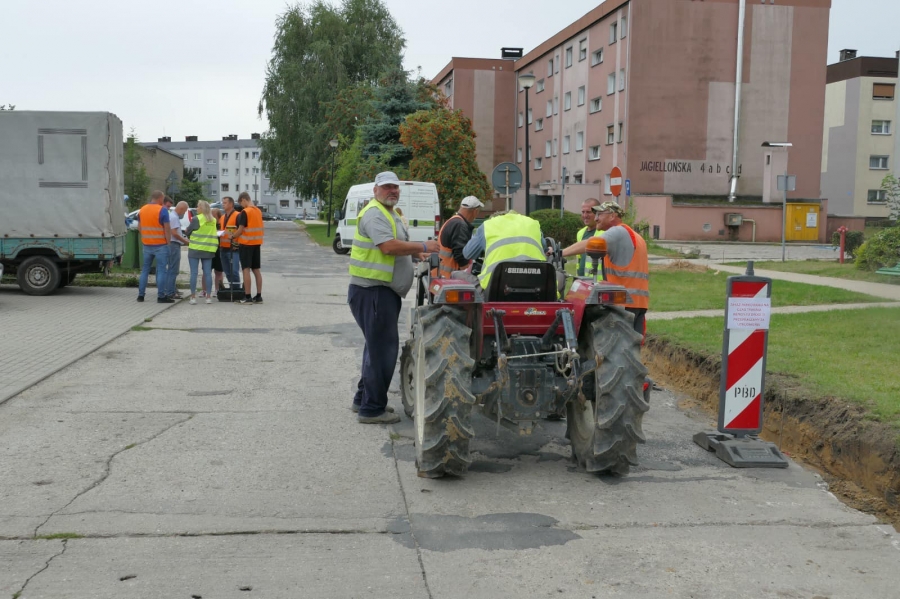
(605, 429)
(441, 385)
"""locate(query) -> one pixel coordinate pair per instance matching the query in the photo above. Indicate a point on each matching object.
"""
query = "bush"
(852, 242)
(882, 249)
(564, 230)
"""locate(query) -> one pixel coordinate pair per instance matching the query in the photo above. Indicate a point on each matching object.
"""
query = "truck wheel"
(606, 428)
(441, 386)
(38, 275)
(407, 376)
(337, 247)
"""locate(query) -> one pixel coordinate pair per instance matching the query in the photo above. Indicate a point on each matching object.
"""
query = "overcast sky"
(195, 67)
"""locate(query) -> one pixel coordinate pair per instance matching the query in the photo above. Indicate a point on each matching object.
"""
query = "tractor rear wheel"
(407, 376)
(441, 384)
(605, 430)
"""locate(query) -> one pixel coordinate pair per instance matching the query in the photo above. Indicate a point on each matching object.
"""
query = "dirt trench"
(857, 456)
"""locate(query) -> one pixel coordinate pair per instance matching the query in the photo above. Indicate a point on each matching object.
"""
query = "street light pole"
(526, 81)
(785, 145)
(334, 144)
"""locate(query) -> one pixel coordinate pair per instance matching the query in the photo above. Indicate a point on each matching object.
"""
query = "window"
(594, 153)
(246, 154)
(881, 127)
(197, 156)
(878, 163)
(297, 203)
(566, 144)
(529, 152)
(597, 57)
(538, 164)
(246, 187)
(211, 177)
(567, 101)
(550, 68)
(611, 83)
(556, 105)
(548, 149)
(247, 171)
(621, 132)
(549, 108)
(877, 196)
(578, 179)
(448, 88)
(255, 170)
(581, 94)
(613, 32)
(623, 28)
(210, 161)
(582, 50)
(224, 156)
(519, 155)
(539, 125)
(622, 80)
(596, 105)
(530, 111)
(883, 91)
(224, 172)
(237, 155)
(213, 192)
(539, 86)
(555, 147)
(568, 57)
(184, 156)
(521, 119)
(255, 154)
(556, 64)
(579, 141)
(284, 203)
(610, 135)
(226, 186)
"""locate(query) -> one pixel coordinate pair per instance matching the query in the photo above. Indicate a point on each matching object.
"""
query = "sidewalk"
(780, 310)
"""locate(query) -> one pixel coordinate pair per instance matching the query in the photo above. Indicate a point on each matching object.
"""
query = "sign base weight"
(742, 452)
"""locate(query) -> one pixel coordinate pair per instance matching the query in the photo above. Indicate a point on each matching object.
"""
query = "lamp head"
(527, 80)
(333, 143)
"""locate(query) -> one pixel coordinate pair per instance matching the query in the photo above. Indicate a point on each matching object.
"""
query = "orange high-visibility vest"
(152, 233)
(253, 232)
(634, 277)
(448, 263)
(224, 223)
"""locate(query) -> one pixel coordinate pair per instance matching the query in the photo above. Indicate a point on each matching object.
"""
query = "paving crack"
(46, 565)
(107, 470)
(412, 532)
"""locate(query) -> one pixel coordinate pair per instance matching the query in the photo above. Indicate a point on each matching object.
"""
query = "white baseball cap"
(471, 202)
(386, 178)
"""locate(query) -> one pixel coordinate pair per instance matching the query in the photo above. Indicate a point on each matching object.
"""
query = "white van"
(418, 202)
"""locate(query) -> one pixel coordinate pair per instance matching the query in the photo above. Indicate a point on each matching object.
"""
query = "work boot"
(386, 418)
(355, 408)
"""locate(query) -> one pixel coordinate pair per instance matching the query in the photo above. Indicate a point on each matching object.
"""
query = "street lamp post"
(526, 81)
(334, 144)
(784, 188)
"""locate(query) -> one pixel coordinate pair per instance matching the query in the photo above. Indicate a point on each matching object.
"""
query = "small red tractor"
(517, 354)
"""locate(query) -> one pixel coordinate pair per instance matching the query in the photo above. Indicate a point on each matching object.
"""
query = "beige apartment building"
(859, 141)
(160, 164)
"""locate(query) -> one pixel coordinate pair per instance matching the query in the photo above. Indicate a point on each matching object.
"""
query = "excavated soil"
(857, 456)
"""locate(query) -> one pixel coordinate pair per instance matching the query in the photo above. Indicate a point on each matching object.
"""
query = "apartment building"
(160, 164)
(859, 144)
(231, 166)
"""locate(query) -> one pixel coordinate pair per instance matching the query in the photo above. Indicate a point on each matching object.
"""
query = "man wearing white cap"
(381, 274)
(455, 234)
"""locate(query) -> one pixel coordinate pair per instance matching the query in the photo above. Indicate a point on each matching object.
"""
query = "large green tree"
(192, 189)
(319, 51)
(443, 152)
(137, 181)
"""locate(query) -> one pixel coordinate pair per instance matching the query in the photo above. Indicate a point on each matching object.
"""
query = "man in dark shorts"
(250, 236)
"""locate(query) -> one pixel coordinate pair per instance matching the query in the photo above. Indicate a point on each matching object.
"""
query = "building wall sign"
(687, 167)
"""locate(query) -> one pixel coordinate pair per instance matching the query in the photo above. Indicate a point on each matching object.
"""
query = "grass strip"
(822, 268)
(850, 355)
(318, 232)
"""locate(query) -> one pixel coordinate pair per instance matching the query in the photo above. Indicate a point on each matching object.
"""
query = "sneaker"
(177, 295)
(193, 302)
(247, 301)
(165, 300)
(257, 299)
(140, 298)
(208, 300)
(355, 408)
(386, 418)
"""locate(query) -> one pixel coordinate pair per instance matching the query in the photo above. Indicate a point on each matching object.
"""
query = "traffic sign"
(506, 178)
(615, 181)
(628, 187)
(315, 200)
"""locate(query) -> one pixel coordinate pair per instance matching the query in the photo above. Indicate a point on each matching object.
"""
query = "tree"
(137, 181)
(891, 187)
(319, 51)
(192, 190)
(7, 106)
(443, 152)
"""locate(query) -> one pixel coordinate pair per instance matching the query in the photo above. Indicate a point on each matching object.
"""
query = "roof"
(150, 146)
(475, 64)
(861, 66)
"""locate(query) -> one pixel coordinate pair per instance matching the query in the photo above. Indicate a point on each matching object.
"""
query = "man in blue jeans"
(228, 252)
(153, 224)
(176, 242)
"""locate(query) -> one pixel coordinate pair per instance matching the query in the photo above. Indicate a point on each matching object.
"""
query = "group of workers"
(223, 240)
(381, 271)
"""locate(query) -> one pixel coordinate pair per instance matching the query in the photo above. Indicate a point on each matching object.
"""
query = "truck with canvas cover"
(519, 351)
(61, 196)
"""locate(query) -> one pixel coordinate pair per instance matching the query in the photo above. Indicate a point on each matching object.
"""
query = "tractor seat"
(522, 281)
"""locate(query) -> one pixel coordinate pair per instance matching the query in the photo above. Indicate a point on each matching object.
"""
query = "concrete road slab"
(20, 560)
(272, 566)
